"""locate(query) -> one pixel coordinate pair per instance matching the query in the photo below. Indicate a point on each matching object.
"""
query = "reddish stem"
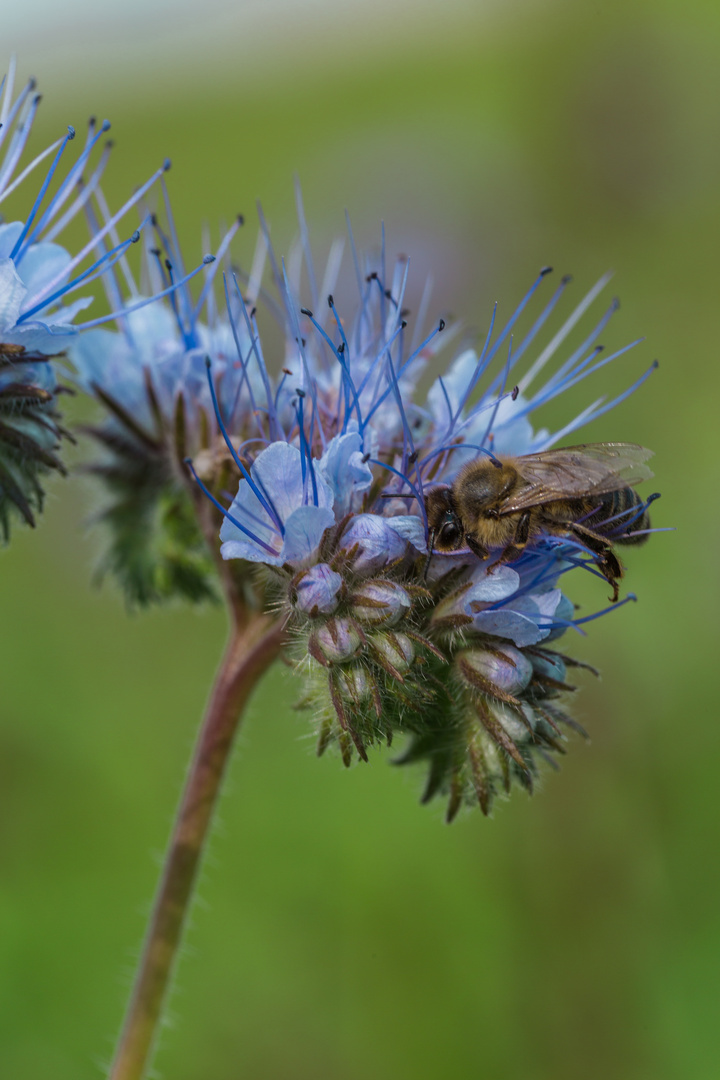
(253, 645)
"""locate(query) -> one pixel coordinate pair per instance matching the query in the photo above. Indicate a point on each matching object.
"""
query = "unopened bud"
(506, 668)
(549, 667)
(397, 649)
(375, 543)
(316, 591)
(335, 641)
(353, 684)
(378, 603)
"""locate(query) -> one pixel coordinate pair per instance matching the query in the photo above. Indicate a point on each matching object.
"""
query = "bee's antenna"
(398, 495)
(431, 545)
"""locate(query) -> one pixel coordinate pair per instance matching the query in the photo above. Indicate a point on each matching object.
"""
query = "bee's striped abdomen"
(621, 516)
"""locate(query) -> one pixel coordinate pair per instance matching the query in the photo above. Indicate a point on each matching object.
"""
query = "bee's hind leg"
(607, 561)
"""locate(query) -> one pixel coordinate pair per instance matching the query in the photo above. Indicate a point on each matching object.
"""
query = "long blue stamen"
(143, 303)
(87, 190)
(598, 409)
(255, 348)
(97, 268)
(308, 380)
(183, 293)
(226, 513)
(64, 191)
(420, 498)
(449, 447)
(19, 180)
(207, 287)
(581, 372)
(536, 327)
(482, 363)
(589, 341)
(305, 453)
(438, 330)
(41, 194)
(107, 228)
(348, 385)
(242, 361)
(378, 400)
(612, 607)
(305, 239)
(552, 347)
(20, 135)
(508, 365)
(265, 503)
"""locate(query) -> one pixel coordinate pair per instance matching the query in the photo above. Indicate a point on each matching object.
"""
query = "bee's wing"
(576, 471)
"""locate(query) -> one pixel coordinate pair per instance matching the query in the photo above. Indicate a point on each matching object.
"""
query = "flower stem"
(254, 643)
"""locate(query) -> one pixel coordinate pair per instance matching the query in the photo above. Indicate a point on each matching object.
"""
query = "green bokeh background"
(343, 931)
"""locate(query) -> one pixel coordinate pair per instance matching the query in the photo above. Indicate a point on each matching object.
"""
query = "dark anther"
(306, 311)
(405, 312)
(365, 458)
(331, 302)
(341, 348)
(241, 219)
(156, 252)
(403, 324)
(441, 325)
(92, 121)
(168, 264)
(300, 393)
(566, 279)
(515, 392)
(287, 371)
(545, 270)
(153, 220)
(388, 294)
(303, 341)
(413, 458)
(372, 276)
(253, 313)
(652, 498)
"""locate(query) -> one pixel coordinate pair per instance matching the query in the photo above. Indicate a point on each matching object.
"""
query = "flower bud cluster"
(384, 657)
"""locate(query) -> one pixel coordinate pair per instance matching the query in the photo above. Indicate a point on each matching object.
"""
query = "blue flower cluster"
(39, 286)
(315, 464)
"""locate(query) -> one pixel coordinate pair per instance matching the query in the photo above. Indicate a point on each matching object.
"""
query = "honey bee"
(584, 492)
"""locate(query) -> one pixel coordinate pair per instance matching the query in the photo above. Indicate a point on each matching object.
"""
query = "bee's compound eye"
(449, 534)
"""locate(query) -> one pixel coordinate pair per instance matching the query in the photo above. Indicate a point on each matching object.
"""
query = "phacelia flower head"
(336, 457)
(42, 287)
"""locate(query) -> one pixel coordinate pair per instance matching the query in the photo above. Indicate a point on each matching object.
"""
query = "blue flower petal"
(345, 471)
(303, 532)
(525, 621)
(277, 476)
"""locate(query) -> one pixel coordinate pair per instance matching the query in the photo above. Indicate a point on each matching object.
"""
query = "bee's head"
(446, 531)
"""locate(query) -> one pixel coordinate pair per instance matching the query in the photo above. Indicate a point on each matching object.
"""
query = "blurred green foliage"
(342, 930)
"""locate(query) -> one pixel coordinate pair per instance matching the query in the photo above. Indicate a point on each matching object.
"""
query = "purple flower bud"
(381, 541)
(507, 668)
(316, 593)
(397, 649)
(380, 602)
(335, 641)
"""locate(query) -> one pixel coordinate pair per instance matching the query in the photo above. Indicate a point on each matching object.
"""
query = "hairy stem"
(254, 643)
